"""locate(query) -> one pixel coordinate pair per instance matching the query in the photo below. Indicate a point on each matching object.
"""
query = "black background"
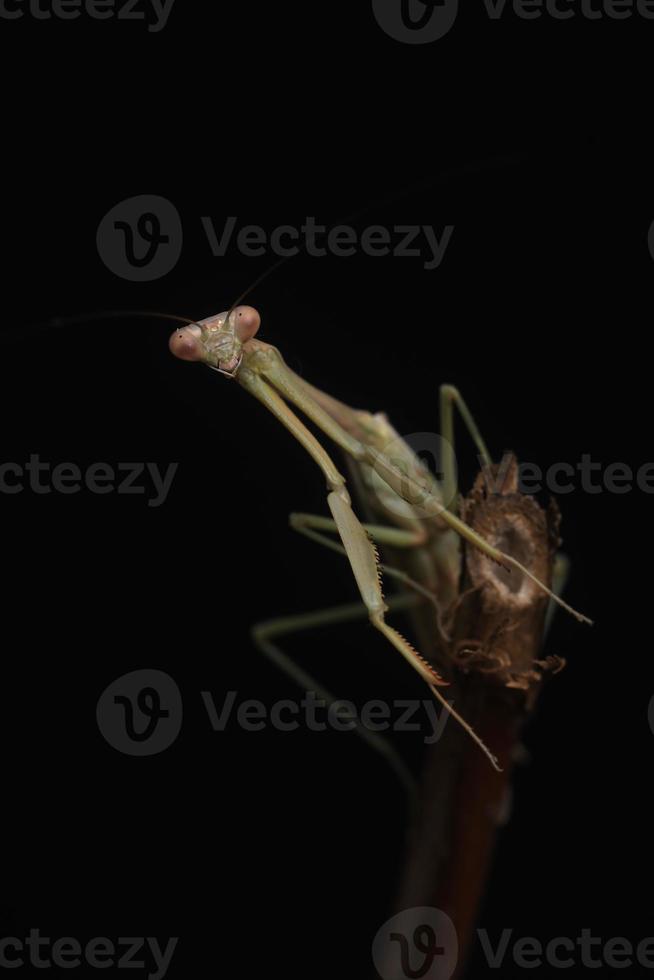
(271, 851)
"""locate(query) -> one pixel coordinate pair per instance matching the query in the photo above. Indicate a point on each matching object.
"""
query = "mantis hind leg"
(449, 398)
(264, 635)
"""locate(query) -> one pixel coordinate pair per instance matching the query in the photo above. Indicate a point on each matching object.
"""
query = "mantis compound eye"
(185, 343)
(246, 322)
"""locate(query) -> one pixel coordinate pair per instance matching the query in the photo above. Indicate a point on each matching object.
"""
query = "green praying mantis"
(416, 512)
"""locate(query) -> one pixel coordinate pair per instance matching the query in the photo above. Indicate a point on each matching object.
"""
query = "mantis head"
(218, 340)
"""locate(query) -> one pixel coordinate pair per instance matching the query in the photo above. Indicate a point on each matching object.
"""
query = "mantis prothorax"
(227, 343)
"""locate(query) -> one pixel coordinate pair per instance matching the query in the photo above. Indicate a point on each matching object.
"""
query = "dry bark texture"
(495, 633)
